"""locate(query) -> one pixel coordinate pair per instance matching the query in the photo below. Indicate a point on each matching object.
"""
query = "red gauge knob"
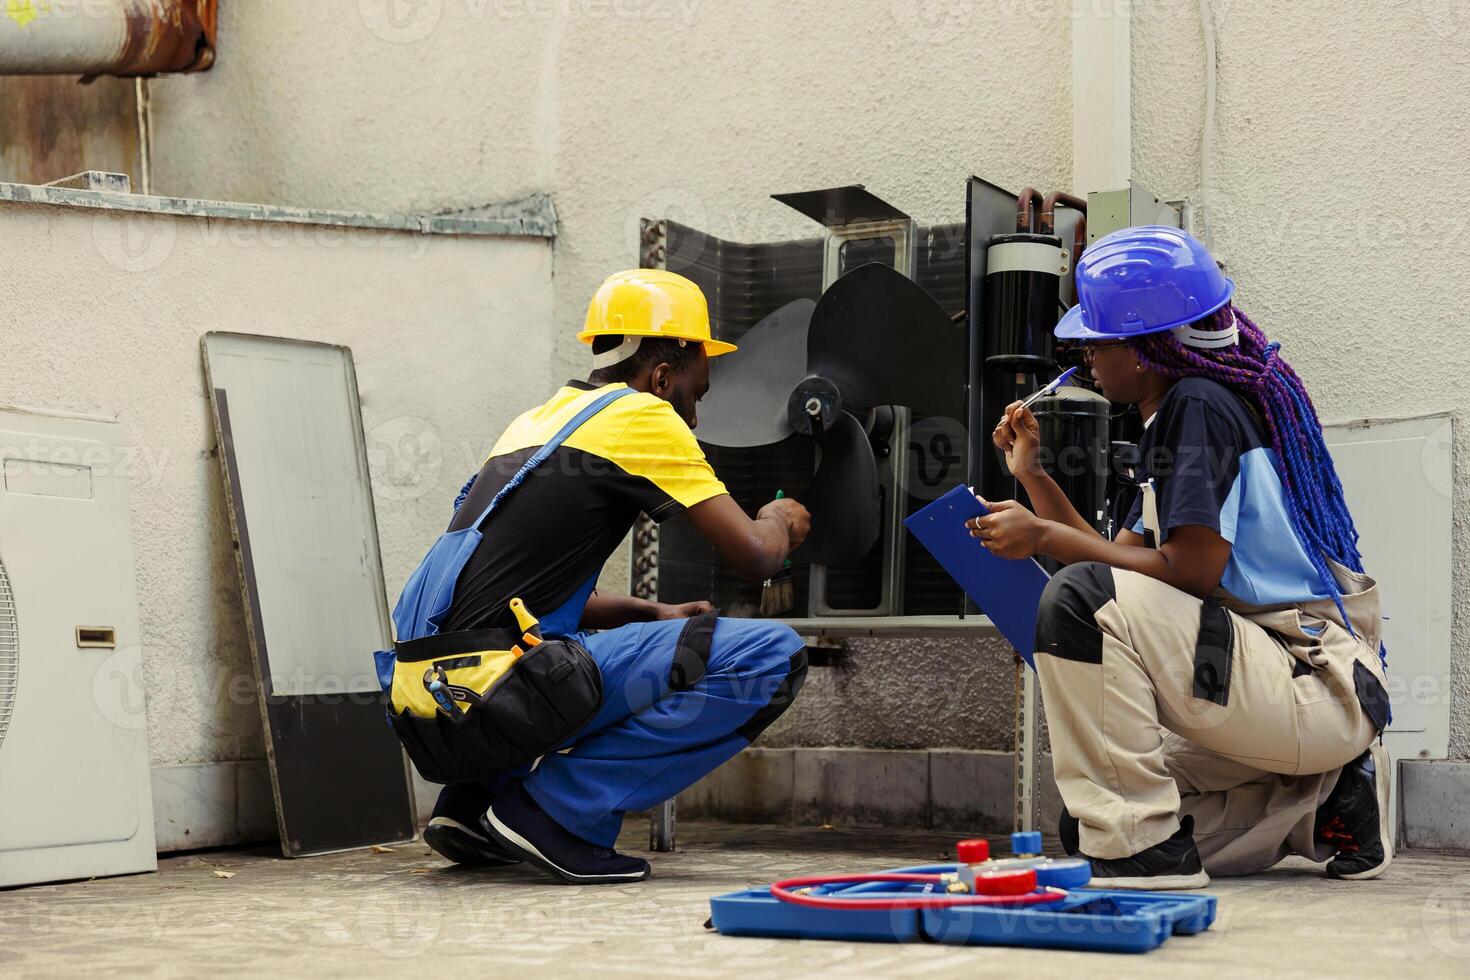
(1006, 882)
(972, 851)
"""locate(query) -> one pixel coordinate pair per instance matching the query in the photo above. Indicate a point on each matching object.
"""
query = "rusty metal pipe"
(1049, 209)
(106, 37)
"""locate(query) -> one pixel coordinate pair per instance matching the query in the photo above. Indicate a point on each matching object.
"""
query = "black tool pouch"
(542, 699)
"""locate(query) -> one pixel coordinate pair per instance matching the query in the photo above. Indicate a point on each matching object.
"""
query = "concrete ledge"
(531, 217)
(861, 787)
(1434, 804)
(941, 789)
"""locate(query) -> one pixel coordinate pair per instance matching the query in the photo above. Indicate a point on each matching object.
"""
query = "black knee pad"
(781, 699)
(1065, 624)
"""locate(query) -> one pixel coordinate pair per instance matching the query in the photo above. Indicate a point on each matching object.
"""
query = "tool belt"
(473, 703)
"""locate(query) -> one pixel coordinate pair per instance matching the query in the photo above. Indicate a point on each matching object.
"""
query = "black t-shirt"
(551, 535)
(1211, 466)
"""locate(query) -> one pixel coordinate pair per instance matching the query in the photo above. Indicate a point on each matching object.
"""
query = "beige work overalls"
(1136, 746)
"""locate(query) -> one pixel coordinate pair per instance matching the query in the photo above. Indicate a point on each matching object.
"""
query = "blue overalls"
(679, 697)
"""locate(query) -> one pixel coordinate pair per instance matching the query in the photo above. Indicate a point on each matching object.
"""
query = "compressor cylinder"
(1075, 450)
(1023, 275)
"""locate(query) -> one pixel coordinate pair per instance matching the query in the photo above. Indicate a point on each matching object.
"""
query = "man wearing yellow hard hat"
(674, 691)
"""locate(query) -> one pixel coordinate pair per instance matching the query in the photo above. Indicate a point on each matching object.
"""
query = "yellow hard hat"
(651, 303)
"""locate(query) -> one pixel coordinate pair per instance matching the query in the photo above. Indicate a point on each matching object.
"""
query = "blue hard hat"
(1143, 280)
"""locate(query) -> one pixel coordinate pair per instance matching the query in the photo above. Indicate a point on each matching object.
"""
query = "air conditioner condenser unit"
(75, 798)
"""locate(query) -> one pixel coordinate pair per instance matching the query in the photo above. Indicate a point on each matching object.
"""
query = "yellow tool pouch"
(473, 703)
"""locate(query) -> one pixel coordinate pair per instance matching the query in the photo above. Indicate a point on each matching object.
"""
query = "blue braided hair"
(1255, 370)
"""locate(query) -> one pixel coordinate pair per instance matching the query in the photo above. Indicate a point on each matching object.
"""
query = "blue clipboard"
(1007, 591)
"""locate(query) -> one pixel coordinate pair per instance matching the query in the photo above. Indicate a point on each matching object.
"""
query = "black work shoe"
(460, 844)
(525, 829)
(1069, 833)
(1354, 820)
(1167, 866)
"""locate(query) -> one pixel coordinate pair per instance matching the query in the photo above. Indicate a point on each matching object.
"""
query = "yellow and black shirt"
(547, 540)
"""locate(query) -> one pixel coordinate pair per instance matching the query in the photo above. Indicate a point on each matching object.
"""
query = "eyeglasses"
(1089, 349)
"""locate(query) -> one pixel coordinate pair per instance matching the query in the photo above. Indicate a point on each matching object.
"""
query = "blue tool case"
(1087, 919)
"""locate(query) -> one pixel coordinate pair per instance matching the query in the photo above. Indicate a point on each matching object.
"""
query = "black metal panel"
(841, 205)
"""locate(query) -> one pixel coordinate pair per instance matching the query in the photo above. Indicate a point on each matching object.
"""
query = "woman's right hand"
(1019, 436)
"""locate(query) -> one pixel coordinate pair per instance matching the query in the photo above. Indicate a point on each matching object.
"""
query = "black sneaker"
(523, 828)
(1354, 820)
(460, 844)
(454, 831)
(1167, 866)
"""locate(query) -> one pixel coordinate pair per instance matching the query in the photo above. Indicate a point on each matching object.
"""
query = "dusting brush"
(777, 592)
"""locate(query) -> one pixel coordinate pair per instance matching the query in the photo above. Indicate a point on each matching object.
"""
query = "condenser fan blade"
(843, 497)
(883, 340)
(748, 390)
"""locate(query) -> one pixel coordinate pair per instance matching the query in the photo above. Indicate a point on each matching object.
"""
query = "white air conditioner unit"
(75, 799)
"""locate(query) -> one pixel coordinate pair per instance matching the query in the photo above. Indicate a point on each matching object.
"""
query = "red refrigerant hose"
(1013, 889)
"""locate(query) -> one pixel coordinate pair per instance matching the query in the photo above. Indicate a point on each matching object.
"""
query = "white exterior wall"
(1339, 176)
(102, 313)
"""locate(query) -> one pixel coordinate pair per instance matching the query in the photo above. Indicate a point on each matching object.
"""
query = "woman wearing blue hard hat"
(1213, 677)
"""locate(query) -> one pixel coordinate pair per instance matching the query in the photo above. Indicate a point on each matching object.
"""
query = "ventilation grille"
(9, 653)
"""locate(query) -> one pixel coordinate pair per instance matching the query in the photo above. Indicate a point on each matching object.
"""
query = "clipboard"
(1006, 590)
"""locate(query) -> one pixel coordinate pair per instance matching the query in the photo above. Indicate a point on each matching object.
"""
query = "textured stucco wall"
(686, 109)
(102, 313)
(1338, 176)
(1329, 118)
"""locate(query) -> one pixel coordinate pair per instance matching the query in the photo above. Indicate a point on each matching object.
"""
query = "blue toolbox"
(1058, 915)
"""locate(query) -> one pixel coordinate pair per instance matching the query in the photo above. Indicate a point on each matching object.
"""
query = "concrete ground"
(405, 911)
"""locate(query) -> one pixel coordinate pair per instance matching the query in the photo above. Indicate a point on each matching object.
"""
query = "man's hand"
(797, 519)
(1009, 530)
(1019, 436)
(682, 610)
(754, 548)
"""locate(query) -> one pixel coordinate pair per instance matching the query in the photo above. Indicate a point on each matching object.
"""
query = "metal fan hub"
(813, 406)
